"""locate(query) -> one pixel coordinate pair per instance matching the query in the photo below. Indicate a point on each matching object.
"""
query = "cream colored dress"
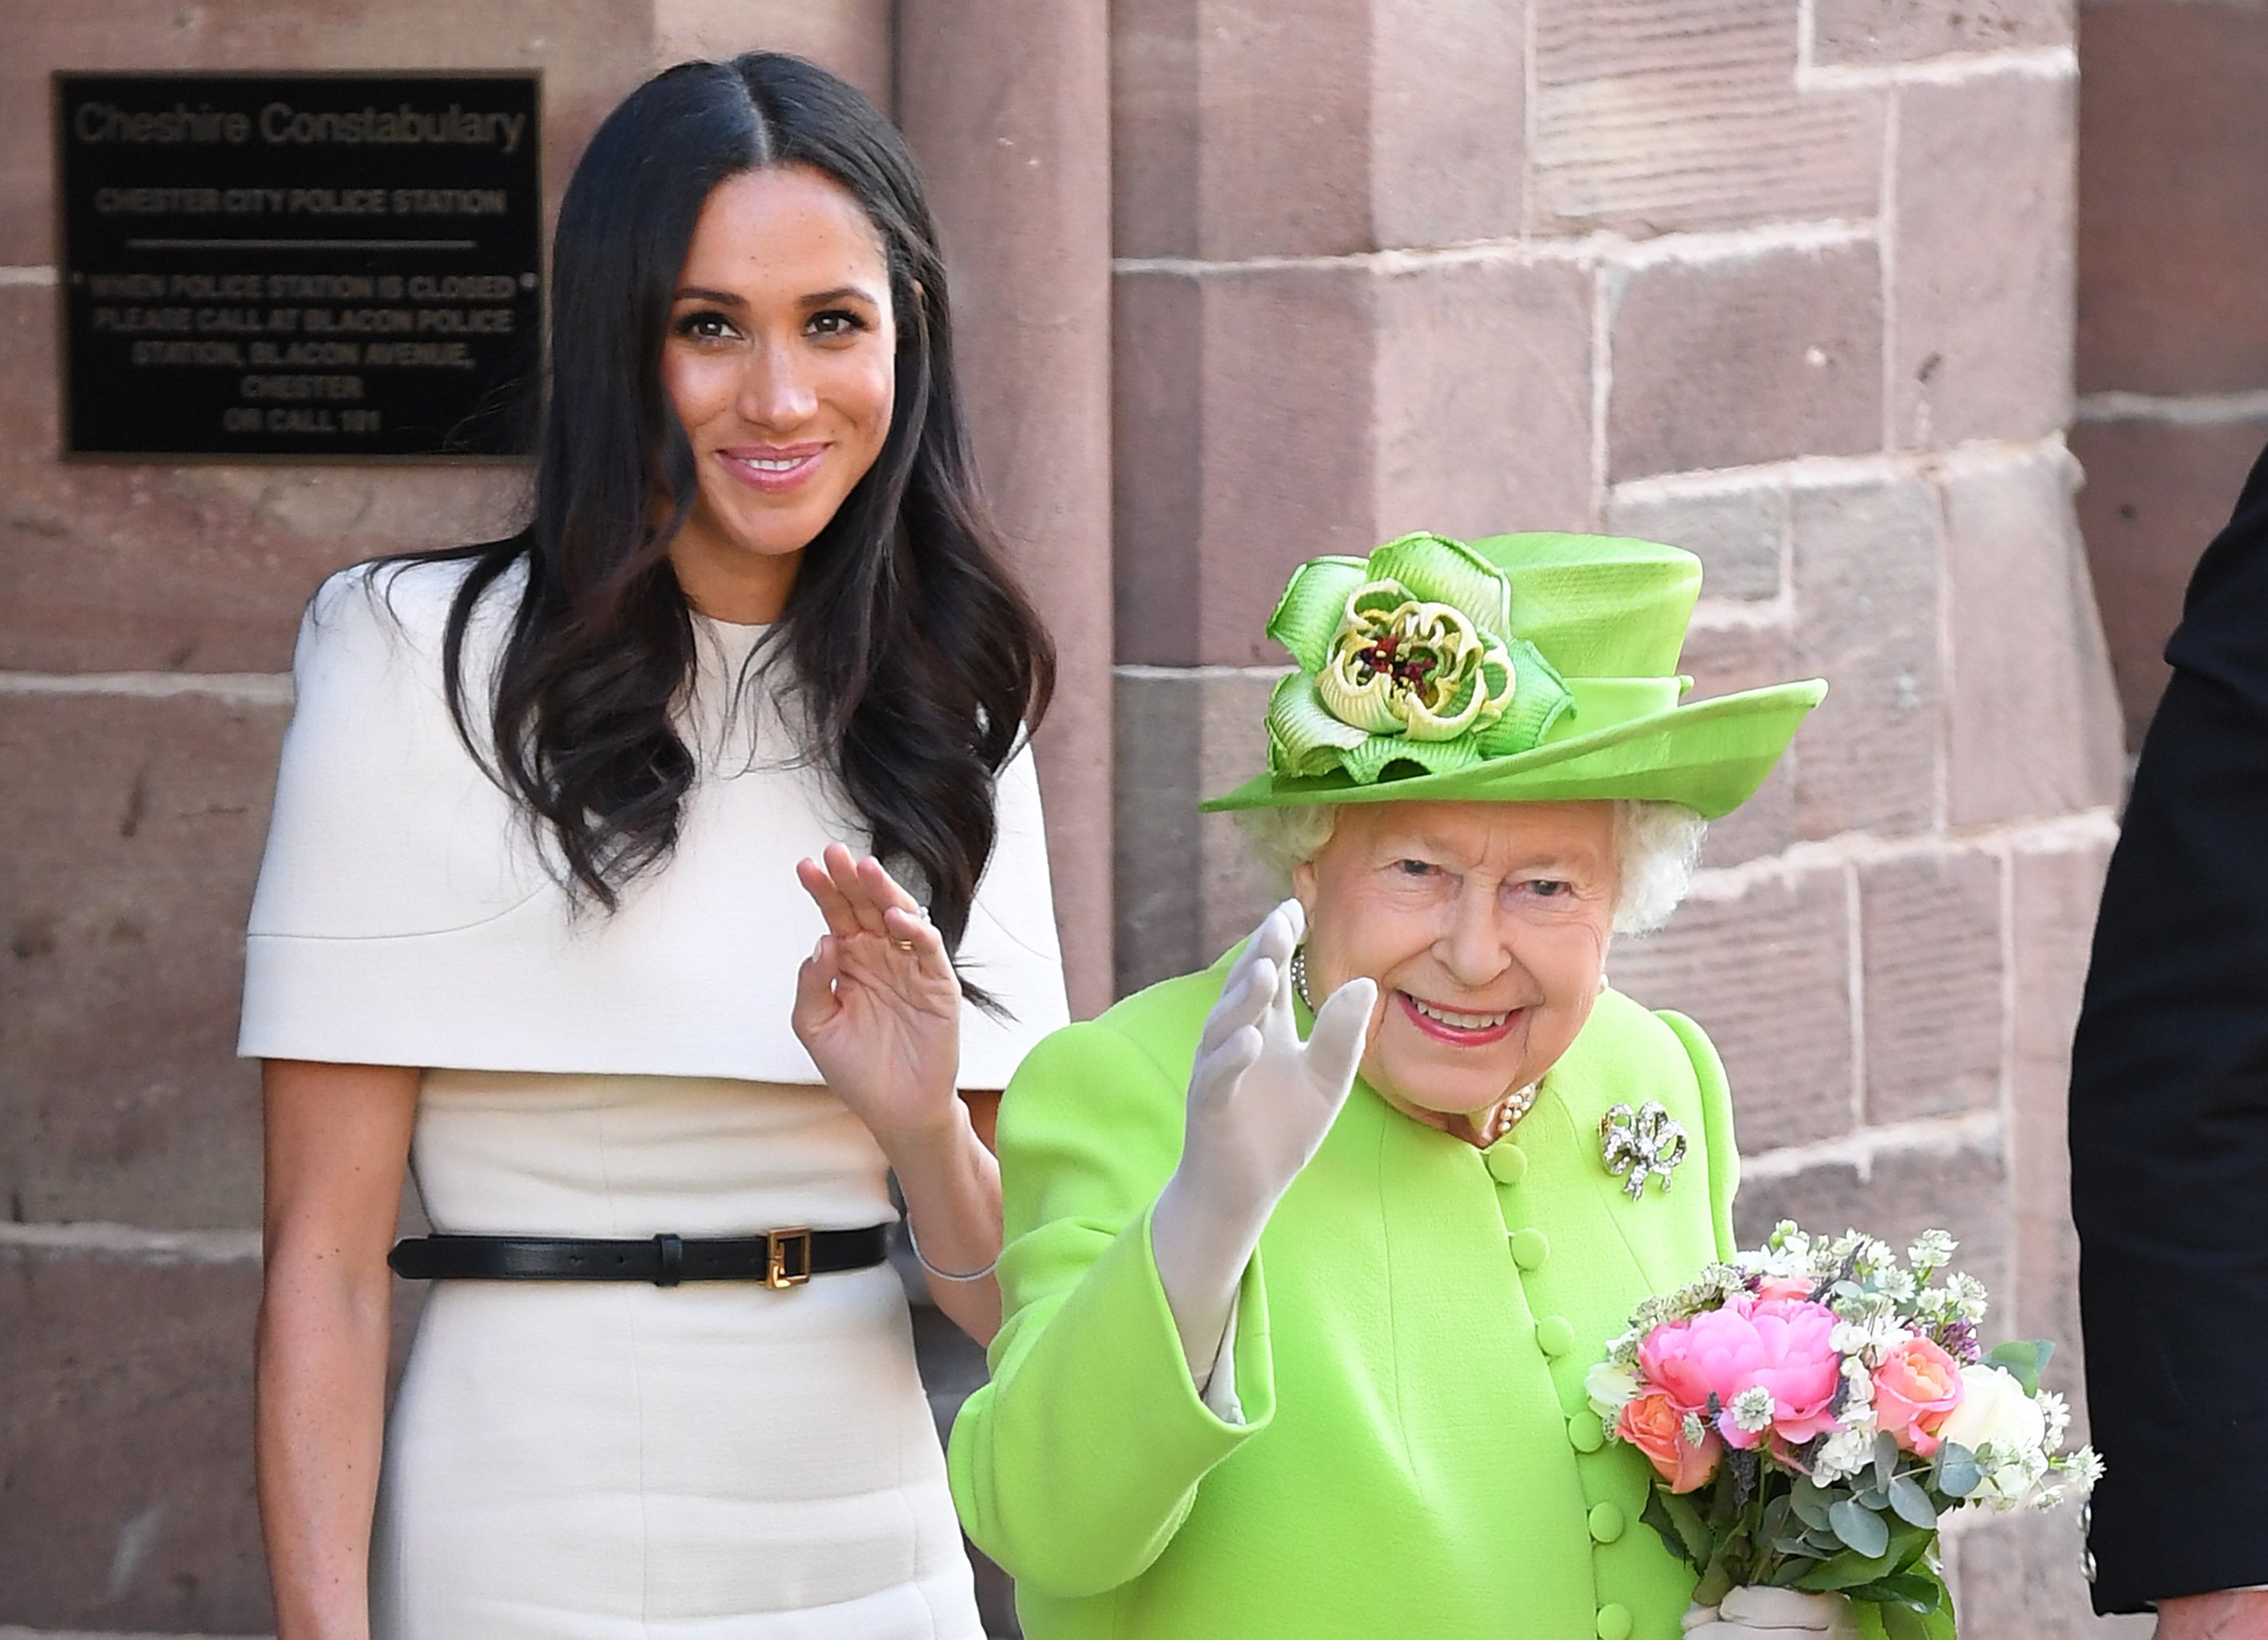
(615, 1460)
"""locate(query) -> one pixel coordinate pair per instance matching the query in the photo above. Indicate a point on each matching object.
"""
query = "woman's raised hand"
(1260, 1098)
(1260, 1101)
(877, 1005)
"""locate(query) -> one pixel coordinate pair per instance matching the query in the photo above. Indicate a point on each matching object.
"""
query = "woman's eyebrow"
(702, 293)
(856, 292)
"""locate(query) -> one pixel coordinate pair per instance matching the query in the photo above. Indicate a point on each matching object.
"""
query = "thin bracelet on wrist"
(944, 1274)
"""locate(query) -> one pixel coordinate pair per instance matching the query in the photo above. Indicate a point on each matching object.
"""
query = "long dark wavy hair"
(918, 659)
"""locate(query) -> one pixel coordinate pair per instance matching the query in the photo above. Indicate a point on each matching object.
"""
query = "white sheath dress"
(615, 1460)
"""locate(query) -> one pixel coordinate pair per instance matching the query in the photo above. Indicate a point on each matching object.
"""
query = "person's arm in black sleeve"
(2169, 1128)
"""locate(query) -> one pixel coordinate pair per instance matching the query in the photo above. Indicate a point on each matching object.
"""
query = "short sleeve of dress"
(384, 828)
(1011, 947)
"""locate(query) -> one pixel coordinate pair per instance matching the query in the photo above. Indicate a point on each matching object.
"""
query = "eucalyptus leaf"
(1861, 1529)
(1886, 1460)
(2024, 1359)
(1800, 1546)
(1911, 1503)
(1958, 1477)
(1810, 1501)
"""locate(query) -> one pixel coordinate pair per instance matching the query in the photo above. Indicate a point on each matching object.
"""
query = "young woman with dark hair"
(559, 818)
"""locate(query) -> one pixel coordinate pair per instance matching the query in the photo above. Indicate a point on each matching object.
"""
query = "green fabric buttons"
(1614, 1622)
(1507, 1163)
(1555, 1335)
(1607, 1522)
(1586, 1433)
(1531, 1247)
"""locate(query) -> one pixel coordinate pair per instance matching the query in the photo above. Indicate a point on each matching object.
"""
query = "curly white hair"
(1657, 845)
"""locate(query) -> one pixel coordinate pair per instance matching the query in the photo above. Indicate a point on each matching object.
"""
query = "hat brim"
(1710, 756)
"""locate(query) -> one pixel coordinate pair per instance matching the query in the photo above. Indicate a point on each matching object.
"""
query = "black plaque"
(302, 265)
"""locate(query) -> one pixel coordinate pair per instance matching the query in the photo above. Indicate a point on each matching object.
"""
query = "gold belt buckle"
(779, 1269)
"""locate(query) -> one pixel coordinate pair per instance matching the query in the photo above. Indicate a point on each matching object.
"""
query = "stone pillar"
(1787, 282)
(2173, 338)
(1006, 103)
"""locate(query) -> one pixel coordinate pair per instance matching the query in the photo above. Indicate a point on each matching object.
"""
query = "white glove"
(1750, 1611)
(1260, 1103)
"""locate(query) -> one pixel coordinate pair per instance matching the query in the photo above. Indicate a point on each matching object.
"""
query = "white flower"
(1897, 1284)
(1931, 1250)
(1694, 1429)
(2005, 1428)
(1752, 1409)
(2083, 1468)
(1968, 1296)
(1866, 1341)
(1869, 1255)
(2057, 1411)
(1787, 1238)
(2011, 1478)
(1610, 1389)
(1623, 1351)
(1842, 1454)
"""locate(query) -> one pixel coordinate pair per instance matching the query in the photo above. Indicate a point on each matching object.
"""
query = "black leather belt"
(776, 1258)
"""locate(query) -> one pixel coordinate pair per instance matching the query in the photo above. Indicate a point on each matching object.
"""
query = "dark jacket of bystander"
(2170, 1113)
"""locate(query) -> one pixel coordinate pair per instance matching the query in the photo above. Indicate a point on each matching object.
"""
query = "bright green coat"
(1417, 1458)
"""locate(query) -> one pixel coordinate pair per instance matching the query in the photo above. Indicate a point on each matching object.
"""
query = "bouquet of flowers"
(1813, 1411)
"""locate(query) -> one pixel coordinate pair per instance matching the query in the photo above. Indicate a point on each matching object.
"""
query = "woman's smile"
(1456, 1027)
(775, 469)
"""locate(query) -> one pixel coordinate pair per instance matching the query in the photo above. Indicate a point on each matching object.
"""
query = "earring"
(1300, 976)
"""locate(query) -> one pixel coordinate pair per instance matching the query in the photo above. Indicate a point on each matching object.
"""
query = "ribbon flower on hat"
(1406, 655)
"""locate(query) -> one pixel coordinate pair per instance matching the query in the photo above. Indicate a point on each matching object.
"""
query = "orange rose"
(1916, 1389)
(1657, 1429)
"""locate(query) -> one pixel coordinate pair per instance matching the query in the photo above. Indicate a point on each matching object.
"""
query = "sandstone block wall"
(2172, 343)
(1787, 282)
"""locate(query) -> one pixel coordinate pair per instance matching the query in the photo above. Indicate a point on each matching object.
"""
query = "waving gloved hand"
(1260, 1102)
(1751, 1612)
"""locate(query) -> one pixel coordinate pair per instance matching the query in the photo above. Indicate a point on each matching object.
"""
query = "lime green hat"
(1517, 669)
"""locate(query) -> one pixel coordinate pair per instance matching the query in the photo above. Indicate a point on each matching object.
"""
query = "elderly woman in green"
(1297, 1329)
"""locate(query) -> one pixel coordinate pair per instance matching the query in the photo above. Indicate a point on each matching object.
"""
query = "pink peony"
(1779, 1344)
(1916, 1389)
(1652, 1424)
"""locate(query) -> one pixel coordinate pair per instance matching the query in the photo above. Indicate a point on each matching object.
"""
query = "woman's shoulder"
(402, 604)
(1630, 1053)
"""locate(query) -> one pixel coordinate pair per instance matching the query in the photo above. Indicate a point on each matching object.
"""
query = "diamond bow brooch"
(1640, 1145)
